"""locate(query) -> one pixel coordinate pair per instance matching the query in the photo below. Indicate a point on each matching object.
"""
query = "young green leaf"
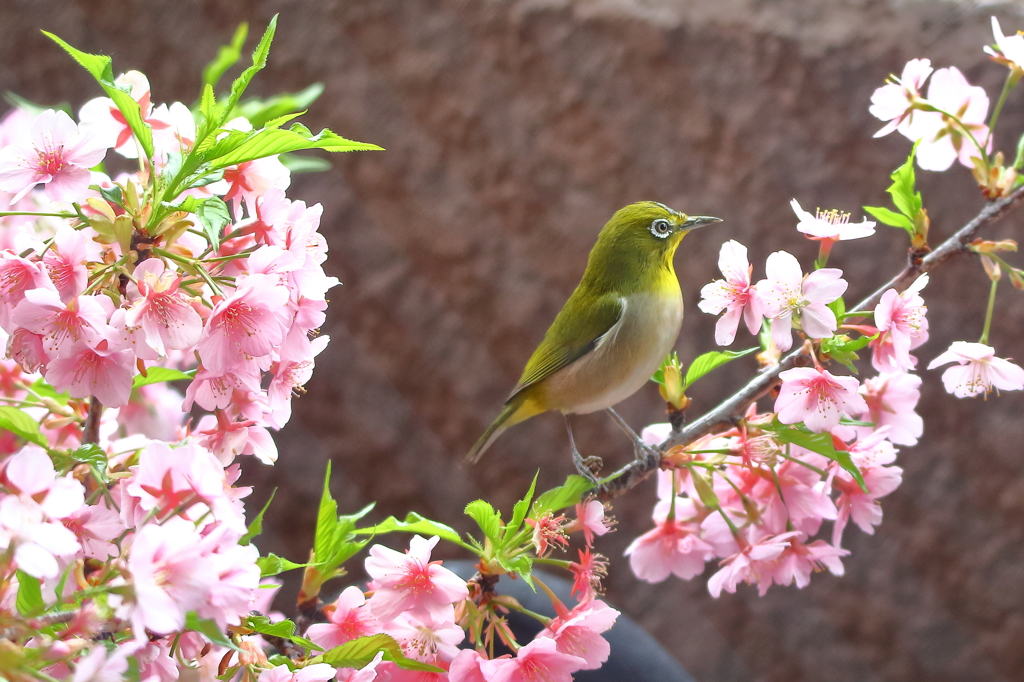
(91, 454)
(259, 112)
(101, 68)
(272, 565)
(326, 522)
(284, 629)
(822, 444)
(29, 601)
(20, 424)
(705, 491)
(158, 375)
(519, 511)
(890, 218)
(709, 361)
(565, 495)
(209, 629)
(489, 520)
(213, 214)
(227, 56)
(263, 143)
(413, 523)
(256, 527)
(904, 196)
(259, 61)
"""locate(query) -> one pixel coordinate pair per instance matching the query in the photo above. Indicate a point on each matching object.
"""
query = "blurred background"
(514, 129)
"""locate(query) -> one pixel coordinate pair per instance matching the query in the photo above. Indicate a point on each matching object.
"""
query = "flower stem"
(62, 214)
(988, 312)
(1007, 86)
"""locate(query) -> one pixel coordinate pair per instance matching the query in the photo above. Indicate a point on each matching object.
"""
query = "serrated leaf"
(101, 68)
(326, 522)
(902, 189)
(489, 520)
(158, 375)
(358, 652)
(890, 218)
(20, 424)
(272, 564)
(208, 628)
(91, 454)
(112, 194)
(709, 361)
(821, 443)
(304, 164)
(838, 308)
(227, 56)
(519, 511)
(256, 527)
(29, 601)
(521, 565)
(565, 495)
(284, 629)
(259, 61)
(213, 214)
(275, 141)
(413, 523)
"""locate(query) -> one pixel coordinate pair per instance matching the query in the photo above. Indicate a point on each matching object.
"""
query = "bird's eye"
(660, 228)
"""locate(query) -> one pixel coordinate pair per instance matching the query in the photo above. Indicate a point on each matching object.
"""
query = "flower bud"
(250, 653)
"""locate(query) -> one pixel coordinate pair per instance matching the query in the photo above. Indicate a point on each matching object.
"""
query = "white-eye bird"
(613, 332)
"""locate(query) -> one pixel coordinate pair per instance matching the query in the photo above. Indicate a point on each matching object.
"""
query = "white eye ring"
(660, 228)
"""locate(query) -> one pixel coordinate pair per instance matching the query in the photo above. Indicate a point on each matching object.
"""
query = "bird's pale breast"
(625, 359)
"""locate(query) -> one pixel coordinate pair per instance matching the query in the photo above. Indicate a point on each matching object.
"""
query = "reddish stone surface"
(513, 131)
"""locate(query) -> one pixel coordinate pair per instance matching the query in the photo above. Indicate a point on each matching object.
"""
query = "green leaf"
(709, 361)
(29, 601)
(413, 523)
(565, 495)
(20, 424)
(359, 652)
(227, 56)
(158, 375)
(101, 68)
(326, 523)
(521, 565)
(519, 511)
(489, 520)
(902, 191)
(273, 565)
(208, 628)
(45, 390)
(259, 112)
(91, 454)
(262, 143)
(256, 527)
(284, 629)
(822, 444)
(838, 308)
(304, 164)
(112, 194)
(259, 61)
(890, 218)
(213, 214)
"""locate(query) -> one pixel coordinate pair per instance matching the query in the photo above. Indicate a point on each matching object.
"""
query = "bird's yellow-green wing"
(579, 329)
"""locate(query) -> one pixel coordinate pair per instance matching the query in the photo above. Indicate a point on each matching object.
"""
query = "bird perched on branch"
(613, 332)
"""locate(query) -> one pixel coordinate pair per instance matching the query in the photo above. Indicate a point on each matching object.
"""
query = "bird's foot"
(644, 452)
(587, 466)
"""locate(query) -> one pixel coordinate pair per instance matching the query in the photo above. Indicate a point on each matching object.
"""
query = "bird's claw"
(587, 466)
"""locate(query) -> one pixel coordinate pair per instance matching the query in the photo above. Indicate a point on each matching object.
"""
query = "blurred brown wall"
(513, 131)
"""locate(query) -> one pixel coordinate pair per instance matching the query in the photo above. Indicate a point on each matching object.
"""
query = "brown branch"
(91, 430)
(732, 408)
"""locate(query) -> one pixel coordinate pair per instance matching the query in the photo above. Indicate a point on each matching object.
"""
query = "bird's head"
(646, 233)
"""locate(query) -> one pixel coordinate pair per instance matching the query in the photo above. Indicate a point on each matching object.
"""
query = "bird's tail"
(514, 412)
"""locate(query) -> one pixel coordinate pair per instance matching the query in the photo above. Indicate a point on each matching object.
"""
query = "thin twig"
(732, 408)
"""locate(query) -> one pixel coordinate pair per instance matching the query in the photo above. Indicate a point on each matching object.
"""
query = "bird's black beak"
(695, 221)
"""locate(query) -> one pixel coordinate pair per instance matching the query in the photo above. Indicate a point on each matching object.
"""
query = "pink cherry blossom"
(170, 575)
(226, 439)
(1011, 48)
(236, 573)
(590, 518)
(894, 101)
(792, 496)
(830, 225)
(96, 527)
(871, 455)
(433, 641)
(64, 326)
(291, 372)
(734, 294)
(891, 401)
(18, 276)
(539, 661)
(27, 350)
(817, 398)
(164, 313)
(36, 541)
(902, 326)
(672, 547)
(412, 583)
(66, 260)
(978, 370)
(244, 325)
(587, 574)
(470, 666)
(799, 560)
(56, 154)
(97, 666)
(943, 140)
(101, 372)
(579, 632)
(792, 299)
(318, 672)
(349, 619)
(756, 563)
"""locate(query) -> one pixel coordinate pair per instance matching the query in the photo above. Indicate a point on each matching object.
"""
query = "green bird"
(613, 332)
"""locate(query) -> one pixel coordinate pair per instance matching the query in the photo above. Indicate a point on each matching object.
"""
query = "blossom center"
(51, 161)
